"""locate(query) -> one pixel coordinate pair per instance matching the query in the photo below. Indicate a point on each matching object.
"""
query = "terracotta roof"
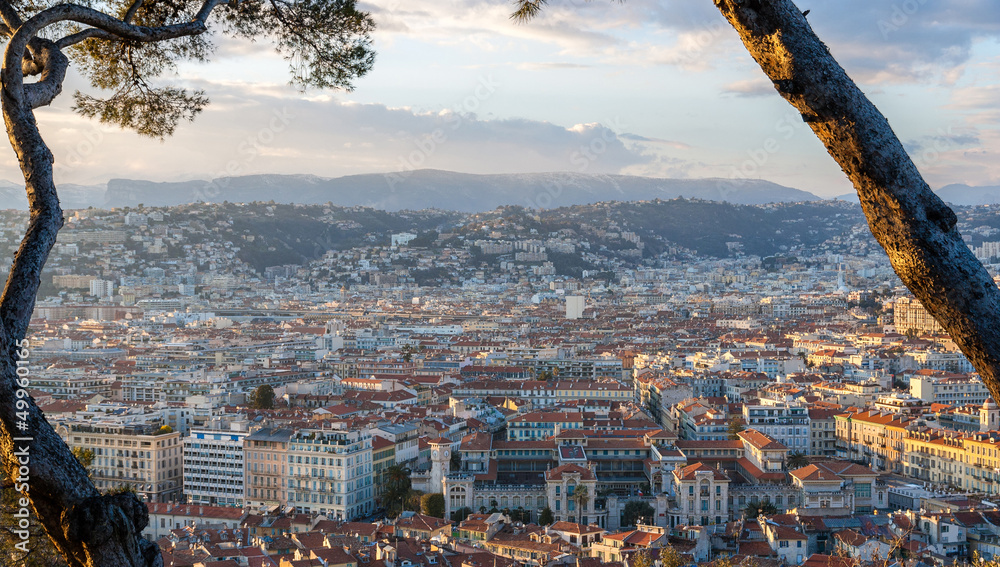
(813, 472)
(690, 472)
(558, 472)
(761, 441)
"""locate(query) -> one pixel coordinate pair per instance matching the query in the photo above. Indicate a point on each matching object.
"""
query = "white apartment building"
(330, 473)
(214, 464)
(787, 423)
(936, 360)
(953, 390)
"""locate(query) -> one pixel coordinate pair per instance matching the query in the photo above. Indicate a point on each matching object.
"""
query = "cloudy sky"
(657, 88)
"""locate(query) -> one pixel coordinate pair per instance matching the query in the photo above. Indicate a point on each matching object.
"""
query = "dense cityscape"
(610, 384)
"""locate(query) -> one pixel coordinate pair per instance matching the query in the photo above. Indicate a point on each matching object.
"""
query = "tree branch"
(88, 529)
(132, 11)
(11, 19)
(913, 225)
(84, 35)
(13, 79)
(54, 65)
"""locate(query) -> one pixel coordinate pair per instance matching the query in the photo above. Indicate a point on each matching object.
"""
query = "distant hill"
(961, 194)
(71, 196)
(447, 190)
(958, 194)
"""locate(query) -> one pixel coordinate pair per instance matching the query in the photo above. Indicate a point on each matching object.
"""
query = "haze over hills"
(962, 194)
(415, 190)
(958, 194)
(428, 188)
(447, 190)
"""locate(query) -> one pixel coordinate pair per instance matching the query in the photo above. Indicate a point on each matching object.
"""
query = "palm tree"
(797, 460)
(397, 488)
(580, 496)
(755, 509)
(397, 476)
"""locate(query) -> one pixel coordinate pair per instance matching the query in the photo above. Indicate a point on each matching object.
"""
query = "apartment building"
(143, 457)
(330, 473)
(873, 437)
(787, 423)
(213, 464)
(266, 456)
(951, 389)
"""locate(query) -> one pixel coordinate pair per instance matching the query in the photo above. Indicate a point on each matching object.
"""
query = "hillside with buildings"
(577, 386)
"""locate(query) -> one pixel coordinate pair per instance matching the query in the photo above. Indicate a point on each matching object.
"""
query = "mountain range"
(427, 188)
(417, 189)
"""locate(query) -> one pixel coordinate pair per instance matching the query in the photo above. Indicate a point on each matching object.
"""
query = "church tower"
(989, 416)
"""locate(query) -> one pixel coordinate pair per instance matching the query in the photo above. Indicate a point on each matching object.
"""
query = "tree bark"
(88, 528)
(913, 225)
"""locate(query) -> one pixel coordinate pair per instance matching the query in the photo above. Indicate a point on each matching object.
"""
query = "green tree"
(670, 557)
(546, 518)
(641, 558)
(262, 397)
(797, 460)
(521, 515)
(756, 509)
(411, 502)
(84, 456)
(461, 514)
(122, 48)
(735, 426)
(636, 510)
(455, 463)
(397, 488)
(432, 504)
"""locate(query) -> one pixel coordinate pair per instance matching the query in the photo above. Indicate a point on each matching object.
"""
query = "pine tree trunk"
(88, 528)
(913, 225)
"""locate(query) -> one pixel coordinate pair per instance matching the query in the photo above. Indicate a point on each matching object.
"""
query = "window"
(863, 490)
(783, 543)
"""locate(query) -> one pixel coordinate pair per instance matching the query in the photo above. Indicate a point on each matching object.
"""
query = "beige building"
(143, 457)
(265, 453)
(873, 437)
(562, 485)
(909, 314)
(702, 494)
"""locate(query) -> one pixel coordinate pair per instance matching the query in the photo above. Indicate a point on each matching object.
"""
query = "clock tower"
(440, 463)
